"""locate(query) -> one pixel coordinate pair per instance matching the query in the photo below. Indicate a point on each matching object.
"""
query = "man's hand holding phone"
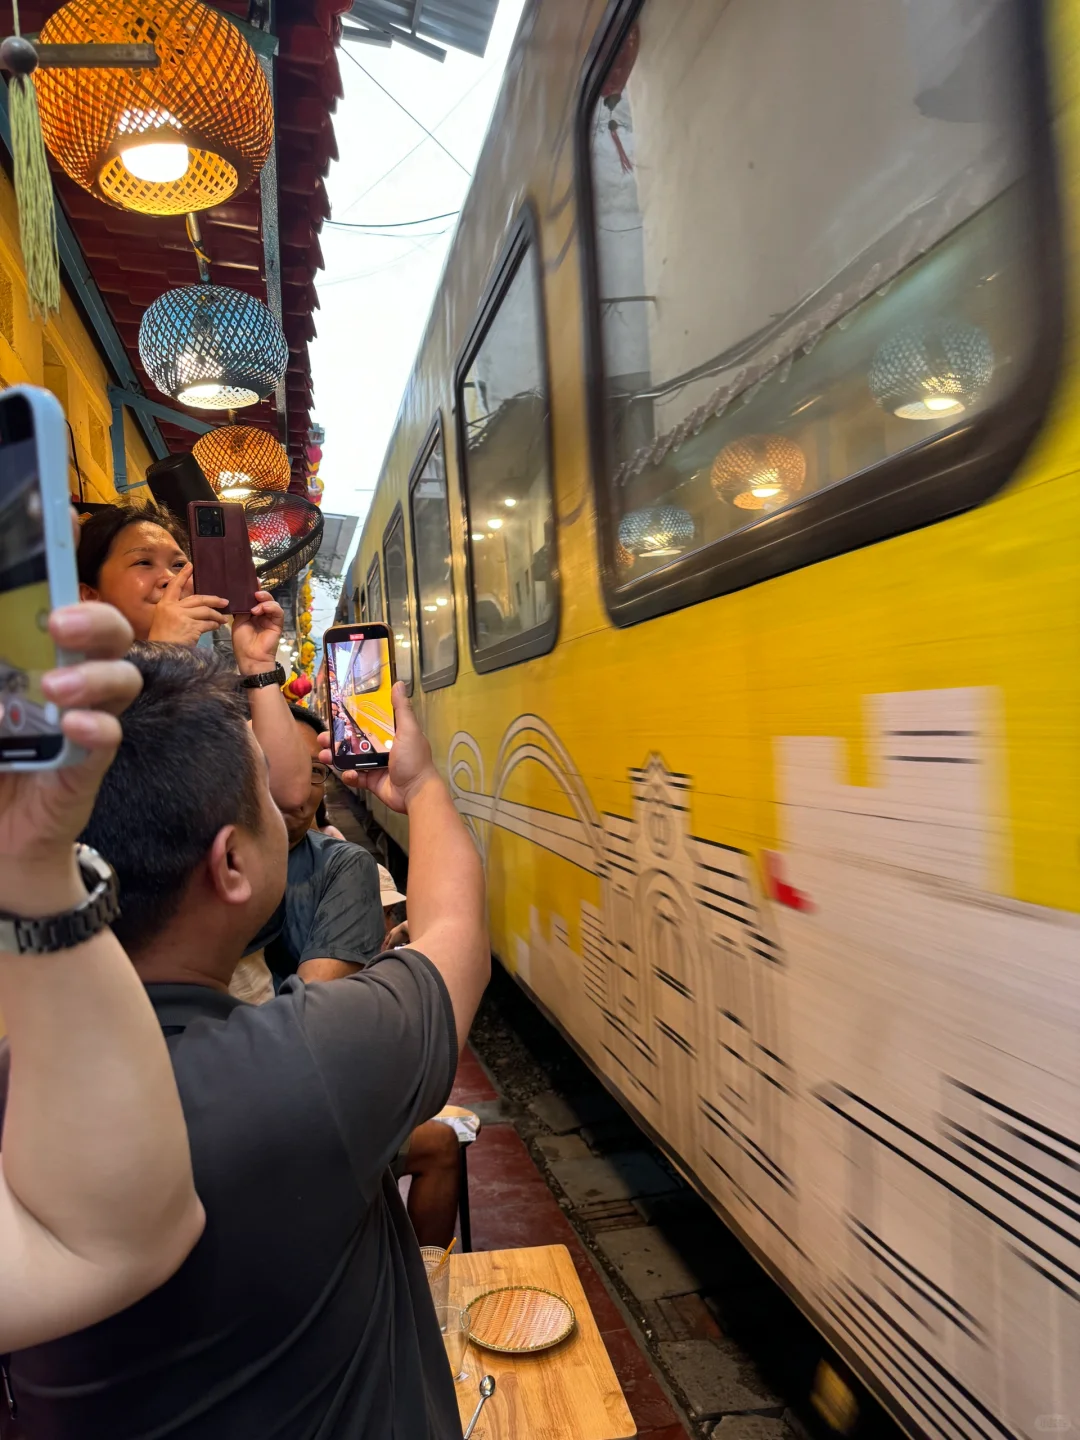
(181, 618)
(43, 812)
(410, 765)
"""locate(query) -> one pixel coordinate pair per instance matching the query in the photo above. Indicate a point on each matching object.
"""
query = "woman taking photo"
(130, 556)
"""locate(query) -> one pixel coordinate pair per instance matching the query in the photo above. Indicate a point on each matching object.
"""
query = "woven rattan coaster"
(519, 1319)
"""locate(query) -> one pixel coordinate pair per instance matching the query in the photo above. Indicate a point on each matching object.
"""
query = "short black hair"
(100, 529)
(185, 768)
(307, 717)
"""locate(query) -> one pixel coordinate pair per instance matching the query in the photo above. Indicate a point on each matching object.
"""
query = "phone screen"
(359, 674)
(29, 725)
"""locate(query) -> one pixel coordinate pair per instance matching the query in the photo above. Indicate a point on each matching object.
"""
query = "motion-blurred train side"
(730, 535)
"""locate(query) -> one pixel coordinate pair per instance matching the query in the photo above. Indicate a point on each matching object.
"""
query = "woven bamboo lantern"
(759, 472)
(180, 137)
(240, 460)
(658, 531)
(212, 347)
(933, 371)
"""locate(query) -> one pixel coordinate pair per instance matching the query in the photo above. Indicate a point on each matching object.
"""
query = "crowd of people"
(207, 1104)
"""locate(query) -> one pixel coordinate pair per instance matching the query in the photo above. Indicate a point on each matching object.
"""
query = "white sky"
(377, 289)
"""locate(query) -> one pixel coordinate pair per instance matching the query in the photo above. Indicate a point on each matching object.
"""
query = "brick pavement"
(512, 1205)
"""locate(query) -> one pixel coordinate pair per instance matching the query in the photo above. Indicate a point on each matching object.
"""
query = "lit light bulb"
(477, 537)
(495, 524)
(764, 491)
(159, 163)
(510, 502)
(235, 492)
(216, 395)
(441, 600)
(431, 609)
(943, 404)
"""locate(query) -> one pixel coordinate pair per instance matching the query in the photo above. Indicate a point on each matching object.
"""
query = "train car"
(730, 535)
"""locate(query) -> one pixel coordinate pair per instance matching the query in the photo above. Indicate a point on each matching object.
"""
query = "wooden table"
(567, 1393)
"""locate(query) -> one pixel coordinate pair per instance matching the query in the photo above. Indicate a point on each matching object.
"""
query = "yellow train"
(730, 535)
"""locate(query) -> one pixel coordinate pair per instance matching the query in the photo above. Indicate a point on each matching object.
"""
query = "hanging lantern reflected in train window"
(932, 372)
(759, 472)
(654, 533)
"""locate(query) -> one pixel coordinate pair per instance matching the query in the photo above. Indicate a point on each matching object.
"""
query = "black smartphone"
(221, 553)
(359, 677)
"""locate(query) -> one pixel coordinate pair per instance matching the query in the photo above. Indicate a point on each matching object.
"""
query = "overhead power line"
(408, 112)
(392, 224)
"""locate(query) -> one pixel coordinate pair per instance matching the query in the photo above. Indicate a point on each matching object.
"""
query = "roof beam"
(147, 412)
(367, 37)
(371, 17)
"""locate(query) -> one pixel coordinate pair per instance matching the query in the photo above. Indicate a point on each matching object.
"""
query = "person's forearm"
(283, 745)
(446, 897)
(97, 1202)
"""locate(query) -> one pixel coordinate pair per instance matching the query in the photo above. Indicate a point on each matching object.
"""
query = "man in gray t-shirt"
(303, 1313)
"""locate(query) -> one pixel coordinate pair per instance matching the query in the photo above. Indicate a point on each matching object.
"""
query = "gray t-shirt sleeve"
(348, 923)
(385, 1044)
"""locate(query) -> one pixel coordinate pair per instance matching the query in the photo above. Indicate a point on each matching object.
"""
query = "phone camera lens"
(210, 522)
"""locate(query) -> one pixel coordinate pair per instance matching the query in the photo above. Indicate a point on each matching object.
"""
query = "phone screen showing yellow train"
(361, 713)
(29, 725)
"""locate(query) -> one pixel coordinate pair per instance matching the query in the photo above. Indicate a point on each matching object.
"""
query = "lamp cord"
(202, 259)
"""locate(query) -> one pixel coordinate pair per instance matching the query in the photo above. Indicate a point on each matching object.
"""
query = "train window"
(435, 616)
(374, 592)
(360, 599)
(397, 597)
(504, 448)
(810, 262)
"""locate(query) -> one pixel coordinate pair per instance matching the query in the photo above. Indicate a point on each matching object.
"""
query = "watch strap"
(46, 934)
(265, 677)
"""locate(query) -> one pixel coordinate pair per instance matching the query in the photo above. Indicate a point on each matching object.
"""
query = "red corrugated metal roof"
(135, 258)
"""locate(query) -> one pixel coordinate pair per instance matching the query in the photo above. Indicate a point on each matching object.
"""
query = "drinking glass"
(437, 1267)
(454, 1325)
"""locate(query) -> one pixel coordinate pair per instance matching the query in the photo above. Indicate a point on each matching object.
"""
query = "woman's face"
(141, 561)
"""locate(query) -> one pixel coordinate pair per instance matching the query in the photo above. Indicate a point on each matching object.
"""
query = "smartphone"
(359, 676)
(221, 553)
(37, 574)
(177, 480)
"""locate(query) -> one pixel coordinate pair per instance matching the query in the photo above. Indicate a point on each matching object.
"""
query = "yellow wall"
(62, 356)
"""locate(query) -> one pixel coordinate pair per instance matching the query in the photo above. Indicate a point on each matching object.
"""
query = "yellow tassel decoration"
(33, 184)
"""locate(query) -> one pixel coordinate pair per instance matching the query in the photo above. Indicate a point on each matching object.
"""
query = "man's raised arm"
(446, 897)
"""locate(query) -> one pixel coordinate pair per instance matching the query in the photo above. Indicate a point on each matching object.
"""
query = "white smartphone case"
(50, 431)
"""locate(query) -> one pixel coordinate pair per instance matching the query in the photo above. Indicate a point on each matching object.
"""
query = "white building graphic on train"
(873, 1068)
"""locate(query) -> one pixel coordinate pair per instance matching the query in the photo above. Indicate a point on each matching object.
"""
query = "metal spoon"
(487, 1389)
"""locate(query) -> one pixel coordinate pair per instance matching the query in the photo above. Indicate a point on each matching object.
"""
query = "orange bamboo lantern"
(759, 472)
(180, 137)
(239, 460)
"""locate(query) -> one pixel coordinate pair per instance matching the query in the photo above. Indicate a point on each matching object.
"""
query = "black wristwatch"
(276, 676)
(49, 933)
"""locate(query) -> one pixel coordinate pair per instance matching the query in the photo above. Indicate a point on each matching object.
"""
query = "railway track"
(734, 1354)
